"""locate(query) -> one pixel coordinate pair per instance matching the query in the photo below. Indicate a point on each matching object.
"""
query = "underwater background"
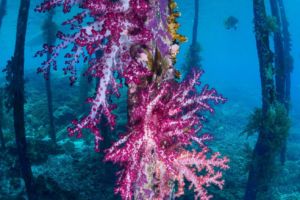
(229, 59)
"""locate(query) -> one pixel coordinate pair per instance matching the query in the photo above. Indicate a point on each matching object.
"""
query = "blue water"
(230, 57)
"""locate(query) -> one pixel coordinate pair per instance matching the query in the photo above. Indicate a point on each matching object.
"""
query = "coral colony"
(138, 41)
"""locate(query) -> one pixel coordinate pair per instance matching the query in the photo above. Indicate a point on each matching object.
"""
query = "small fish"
(231, 23)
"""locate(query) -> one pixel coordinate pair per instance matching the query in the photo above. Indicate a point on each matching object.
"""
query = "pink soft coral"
(120, 30)
(153, 153)
(138, 41)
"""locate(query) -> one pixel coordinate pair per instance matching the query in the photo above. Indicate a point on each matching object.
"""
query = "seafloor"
(74, 171)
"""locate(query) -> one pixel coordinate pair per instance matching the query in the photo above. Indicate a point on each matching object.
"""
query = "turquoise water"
(229, 59)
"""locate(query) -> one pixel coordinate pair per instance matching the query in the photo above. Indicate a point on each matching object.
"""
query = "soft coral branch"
(153, 152)
(139, 42)
(49, 4)
(119, 29)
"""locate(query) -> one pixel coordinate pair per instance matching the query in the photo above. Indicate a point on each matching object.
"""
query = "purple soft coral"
(139, 42)
(153, 152)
